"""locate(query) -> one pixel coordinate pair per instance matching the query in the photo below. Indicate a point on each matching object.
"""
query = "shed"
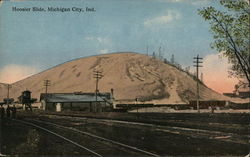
(88, 102)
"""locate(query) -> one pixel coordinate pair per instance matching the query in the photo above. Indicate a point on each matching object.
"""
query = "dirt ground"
(174, 134)
(22, 140)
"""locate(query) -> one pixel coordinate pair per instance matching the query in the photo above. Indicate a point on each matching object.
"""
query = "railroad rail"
(60, 136)
(217, 135)
(134, 149)
(102, 138)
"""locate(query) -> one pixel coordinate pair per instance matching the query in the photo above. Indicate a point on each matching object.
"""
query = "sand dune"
(131, 75)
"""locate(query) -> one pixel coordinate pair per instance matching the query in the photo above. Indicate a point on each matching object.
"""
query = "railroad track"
(97, 146)
(193, 132)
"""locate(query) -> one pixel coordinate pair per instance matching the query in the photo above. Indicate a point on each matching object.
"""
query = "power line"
(197, 61)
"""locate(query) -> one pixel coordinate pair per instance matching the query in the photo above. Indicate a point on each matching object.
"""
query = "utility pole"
(8, 93)
(197, 61)
(97, 75)
(46, 83)
(160, 53)
(147, 50)
(172, 59)
(136, 105)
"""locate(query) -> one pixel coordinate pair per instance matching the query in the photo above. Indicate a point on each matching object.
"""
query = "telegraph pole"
(147, 50)
(8, 93)
(46, 83)
(97, 75)
(160, 52)
(197, 62)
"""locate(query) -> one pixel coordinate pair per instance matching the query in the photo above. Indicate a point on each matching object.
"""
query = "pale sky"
(35, 41)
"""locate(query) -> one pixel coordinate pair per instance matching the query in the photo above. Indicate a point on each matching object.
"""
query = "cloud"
(101, 40)
(170, 1)
(1, 1)
(215, 73)
(13, 72)
(174, 1)
(104, 45)
(200, 2)
(191, 2)
(104, 51)
(162, 20)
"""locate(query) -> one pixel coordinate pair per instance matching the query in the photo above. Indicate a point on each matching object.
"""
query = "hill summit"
(131, 75)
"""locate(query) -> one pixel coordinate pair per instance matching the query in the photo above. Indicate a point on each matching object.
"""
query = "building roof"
(26, 91)
(244, 87)
(72, 97)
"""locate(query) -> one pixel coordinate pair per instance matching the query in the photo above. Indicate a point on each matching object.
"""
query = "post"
(137, 107)
(46, 84)
(197, 87)
(97, 75)
(8, 94)
(197, 62)
(147, 50)
(160, 52)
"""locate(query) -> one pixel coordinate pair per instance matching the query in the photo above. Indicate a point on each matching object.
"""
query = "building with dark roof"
(243, 90)
(205, 104)
(88, 102)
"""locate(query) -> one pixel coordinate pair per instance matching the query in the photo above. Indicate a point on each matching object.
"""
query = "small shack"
(88, 102)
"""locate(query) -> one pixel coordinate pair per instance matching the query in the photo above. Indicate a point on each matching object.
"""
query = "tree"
(154, 56)
(165, 60)
(231, 33)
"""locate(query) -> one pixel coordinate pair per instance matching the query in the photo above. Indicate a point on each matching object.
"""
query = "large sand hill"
(131, 75)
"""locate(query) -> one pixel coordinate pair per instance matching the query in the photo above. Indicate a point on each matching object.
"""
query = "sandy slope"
(3, 91)
(131, 75)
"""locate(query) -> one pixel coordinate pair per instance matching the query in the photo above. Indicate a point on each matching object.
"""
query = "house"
(243, 90)
(87, 102)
